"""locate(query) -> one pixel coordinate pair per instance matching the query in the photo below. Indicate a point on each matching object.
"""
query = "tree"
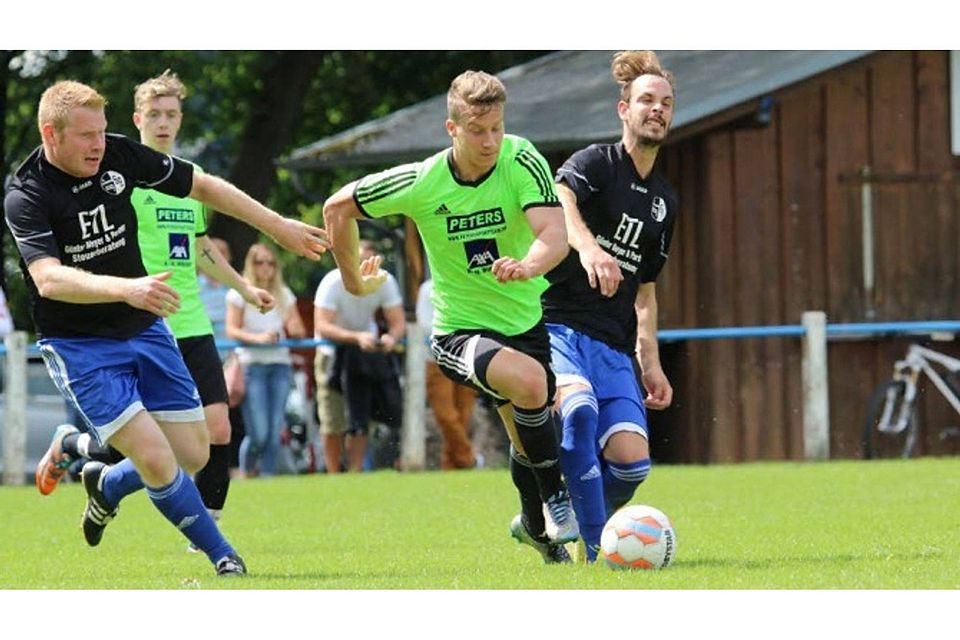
(244, 110)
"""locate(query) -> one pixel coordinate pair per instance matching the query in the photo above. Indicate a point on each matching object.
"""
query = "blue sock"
(620, 480)
(180, 503)
(581, 468)
(120, 481)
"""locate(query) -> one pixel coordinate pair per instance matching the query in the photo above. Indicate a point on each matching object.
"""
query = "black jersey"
(88, 223)
(632, 219)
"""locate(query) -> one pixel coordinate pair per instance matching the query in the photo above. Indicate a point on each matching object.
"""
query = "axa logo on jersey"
(481, 254)
(179, 246)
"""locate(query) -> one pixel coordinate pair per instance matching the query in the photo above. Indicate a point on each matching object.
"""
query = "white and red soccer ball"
(638, 537)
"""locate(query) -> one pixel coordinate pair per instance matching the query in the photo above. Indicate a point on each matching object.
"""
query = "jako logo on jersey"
(179, 246)
(80, 187)
(476, 220)
(659, 209)
(637, 187)
(113, 183)
(481, 254)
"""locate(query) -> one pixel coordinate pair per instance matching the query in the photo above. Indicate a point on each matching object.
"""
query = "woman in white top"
(267, 370)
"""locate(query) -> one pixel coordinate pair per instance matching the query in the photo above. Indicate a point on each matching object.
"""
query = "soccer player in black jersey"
(99, 314)
(601, 307)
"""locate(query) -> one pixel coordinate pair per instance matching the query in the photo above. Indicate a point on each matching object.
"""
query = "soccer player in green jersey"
(172, 237)
(492, 225)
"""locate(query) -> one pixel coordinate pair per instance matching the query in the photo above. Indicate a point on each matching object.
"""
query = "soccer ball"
(638, 537)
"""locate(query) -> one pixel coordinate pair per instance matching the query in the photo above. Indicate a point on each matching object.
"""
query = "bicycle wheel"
(886, 405)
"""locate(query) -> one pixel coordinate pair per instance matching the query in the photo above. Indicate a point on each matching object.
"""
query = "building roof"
(567, 100)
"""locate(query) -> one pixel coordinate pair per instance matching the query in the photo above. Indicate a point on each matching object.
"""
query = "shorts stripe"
(57, 369)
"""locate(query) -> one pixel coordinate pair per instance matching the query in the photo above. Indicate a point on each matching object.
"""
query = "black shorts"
(464, 355)
(203, 361)
(371, 388)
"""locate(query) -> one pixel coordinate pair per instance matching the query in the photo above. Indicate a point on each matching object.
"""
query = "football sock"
(539, 442)
(213, 481)
(531, 506)
(620, 480)
(180, 503)
(121, 480)
(81, 445)
(581, 468)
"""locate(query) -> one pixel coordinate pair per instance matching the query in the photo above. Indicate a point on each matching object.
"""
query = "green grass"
(837, 525)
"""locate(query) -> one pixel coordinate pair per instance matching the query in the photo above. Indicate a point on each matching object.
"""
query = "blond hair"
(164, 85)
(276, 286)
(474, 90)
(61, 98)
(627, 66)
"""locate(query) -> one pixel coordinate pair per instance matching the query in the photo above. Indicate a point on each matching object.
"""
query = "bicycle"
(891, 428)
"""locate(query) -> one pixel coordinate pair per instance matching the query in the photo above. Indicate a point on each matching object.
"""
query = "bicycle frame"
(908, 370)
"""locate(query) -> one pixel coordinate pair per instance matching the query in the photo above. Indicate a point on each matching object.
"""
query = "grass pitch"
(836, 525)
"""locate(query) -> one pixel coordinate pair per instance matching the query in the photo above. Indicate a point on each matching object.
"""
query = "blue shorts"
(110, 381)
(608, 373)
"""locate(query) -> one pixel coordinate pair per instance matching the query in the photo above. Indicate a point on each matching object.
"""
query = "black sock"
(531, 506)
(539, 441)
(95, 451)
(213, 481)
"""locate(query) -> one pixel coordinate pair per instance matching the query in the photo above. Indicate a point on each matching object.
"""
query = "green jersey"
(466, 227)
(167, 228)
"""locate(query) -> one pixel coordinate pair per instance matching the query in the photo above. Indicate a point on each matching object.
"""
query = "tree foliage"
(244, 110)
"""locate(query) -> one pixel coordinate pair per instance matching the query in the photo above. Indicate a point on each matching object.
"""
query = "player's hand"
(372, 276)
(259, 298)
(602, 269)
(301, 238)
(659, 391)
(509, 269)
(153, 294)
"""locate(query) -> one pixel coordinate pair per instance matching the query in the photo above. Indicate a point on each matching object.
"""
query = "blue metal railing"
(709, 333)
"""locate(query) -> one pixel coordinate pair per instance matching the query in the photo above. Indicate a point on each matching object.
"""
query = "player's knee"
(579, 416)
(529, 388)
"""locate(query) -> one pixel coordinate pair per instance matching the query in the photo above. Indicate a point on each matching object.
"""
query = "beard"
(654, 140)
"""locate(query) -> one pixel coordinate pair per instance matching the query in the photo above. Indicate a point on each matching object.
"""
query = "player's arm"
(396, 327)
(340, 215)
(213, 263)
(659, 391)
(57, 281)
(601, 267)
(325, 324)
(296, 236)
(548, 249)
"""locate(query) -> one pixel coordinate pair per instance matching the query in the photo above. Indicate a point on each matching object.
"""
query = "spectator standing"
(6, 327)
(452, 403)
(267, 370)
(6, 320)
(358, 375)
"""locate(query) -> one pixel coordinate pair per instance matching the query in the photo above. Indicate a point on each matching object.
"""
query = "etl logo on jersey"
(113, 183)
(179, 246)
(481, 254)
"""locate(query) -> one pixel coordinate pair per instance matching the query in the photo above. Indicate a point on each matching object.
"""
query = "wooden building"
(807, 181)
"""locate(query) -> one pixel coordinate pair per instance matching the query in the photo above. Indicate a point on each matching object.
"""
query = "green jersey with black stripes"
(465, 227)
(167, 228)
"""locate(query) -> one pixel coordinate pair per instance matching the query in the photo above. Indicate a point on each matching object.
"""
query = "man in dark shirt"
(98, 313)
(601, 307)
